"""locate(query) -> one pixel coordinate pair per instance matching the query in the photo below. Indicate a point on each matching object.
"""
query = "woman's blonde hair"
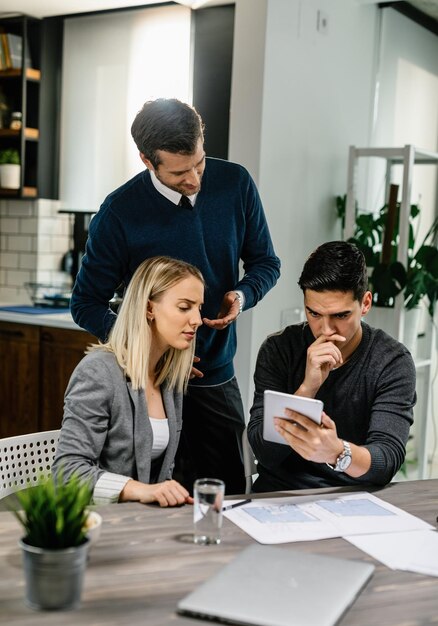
(130, 337)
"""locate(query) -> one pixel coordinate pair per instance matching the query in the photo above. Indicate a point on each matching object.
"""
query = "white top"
(160, 429)
(109, 486)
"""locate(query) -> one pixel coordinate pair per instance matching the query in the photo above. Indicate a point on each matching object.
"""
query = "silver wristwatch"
(240, 300)
(343, 461)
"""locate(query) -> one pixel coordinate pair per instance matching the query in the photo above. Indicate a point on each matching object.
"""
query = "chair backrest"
(25, 460)
(249, 462)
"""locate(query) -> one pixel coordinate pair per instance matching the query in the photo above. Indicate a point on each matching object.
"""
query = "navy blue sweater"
(226, 224)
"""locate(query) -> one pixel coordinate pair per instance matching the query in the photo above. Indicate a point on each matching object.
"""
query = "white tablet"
(275, 404)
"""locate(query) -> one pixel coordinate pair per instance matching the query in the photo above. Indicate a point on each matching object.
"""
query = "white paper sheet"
(415, 551)
(301, 518)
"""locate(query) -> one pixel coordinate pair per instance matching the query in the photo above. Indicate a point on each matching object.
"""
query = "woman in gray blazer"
(123, 404)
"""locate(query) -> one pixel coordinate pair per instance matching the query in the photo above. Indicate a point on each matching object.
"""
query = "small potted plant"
(10, 169)
(55, 544)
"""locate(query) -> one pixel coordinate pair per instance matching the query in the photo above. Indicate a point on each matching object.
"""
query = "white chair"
(25, 460)
(249, 462)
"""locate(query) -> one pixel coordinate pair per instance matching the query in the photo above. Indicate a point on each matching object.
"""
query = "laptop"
(279, 586)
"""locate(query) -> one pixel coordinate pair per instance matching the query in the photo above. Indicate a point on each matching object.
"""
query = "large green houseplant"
(53, 515)
(415, 279)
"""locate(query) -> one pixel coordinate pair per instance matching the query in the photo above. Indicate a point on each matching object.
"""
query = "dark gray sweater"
(370, 398)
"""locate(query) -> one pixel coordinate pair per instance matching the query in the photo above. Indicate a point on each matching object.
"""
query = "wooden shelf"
(29, 192)
(26, 192)
(29, 133)
(37, 141)
(31, 73)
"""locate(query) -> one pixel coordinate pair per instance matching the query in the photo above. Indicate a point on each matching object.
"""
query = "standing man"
(365, 378)
(206, 212)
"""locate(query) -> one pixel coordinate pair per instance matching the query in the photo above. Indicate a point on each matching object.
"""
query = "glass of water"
(207, 511)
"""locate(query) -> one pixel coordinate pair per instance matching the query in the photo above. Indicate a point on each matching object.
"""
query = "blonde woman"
(123, 405)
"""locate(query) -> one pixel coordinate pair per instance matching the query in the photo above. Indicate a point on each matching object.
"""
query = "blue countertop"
(40, 316)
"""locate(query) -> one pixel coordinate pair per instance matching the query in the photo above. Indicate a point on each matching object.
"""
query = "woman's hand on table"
(167, 493)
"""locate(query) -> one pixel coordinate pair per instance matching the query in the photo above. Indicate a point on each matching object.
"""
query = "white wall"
(406, 109)
(315, 91)
(300, 97)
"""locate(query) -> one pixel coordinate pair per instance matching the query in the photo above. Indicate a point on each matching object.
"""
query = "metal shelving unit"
(406, 156)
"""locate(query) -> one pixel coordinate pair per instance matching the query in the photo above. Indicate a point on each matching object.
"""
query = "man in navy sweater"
(204, 211)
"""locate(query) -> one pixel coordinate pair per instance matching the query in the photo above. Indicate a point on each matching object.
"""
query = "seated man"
(365, 378)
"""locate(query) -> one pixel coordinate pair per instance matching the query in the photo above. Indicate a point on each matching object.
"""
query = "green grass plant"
(54, 512)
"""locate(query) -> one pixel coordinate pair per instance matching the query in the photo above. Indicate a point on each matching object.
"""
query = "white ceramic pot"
(10, 176)
(411, 330)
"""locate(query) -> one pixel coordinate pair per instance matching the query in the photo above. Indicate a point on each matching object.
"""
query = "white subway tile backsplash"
(27, 261)
(61, 227)
(10, 225)
(62, 278)
(9, 260)
(43, 243)
(48, 208)
(44, 276)
(33, 239)
(15, 208)
(17, 278)
(19, 243)
(29, 226)
(59, 244)
(12, 295)
(53, 277)
(46, 226)
(48, 261)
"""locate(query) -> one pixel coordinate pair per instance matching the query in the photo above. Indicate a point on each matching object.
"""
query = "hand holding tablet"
(275, 404)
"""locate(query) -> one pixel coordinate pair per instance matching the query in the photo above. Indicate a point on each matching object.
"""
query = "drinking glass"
(207, 511)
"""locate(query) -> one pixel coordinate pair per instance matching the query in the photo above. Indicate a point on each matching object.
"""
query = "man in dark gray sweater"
(365, 378)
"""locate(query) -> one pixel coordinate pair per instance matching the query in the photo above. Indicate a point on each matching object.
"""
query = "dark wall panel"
(52, 32)
(212, 64)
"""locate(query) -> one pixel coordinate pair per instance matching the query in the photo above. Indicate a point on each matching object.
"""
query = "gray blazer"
(106, 427)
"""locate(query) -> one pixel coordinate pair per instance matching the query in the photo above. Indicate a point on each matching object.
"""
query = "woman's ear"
(150, 311)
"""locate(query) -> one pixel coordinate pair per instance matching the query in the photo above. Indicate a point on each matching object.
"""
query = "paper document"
(301, 518)
(415, 551)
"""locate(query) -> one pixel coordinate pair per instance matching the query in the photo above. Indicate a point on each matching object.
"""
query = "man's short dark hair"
(166, 124)
(336, 266)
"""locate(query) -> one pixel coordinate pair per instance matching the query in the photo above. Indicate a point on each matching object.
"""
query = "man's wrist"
(305, 392)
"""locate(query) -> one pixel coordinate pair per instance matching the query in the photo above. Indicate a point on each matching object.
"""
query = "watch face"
(344, 463)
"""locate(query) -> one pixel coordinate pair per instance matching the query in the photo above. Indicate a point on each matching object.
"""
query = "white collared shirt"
(170, 194)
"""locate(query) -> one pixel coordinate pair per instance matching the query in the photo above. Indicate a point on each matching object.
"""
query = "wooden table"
(144, 562)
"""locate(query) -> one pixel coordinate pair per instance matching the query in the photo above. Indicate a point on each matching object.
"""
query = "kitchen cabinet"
(19, 385)
(30, 86)
(37, 362)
